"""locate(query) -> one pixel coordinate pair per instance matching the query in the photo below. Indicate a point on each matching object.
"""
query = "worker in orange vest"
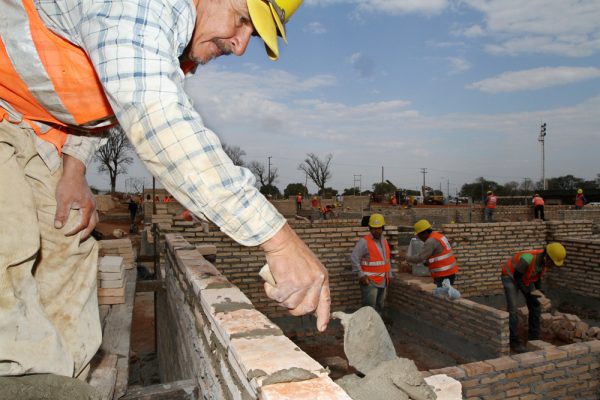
(490, 206)
(371, 261)
(299, 201)
(71, 69)
(538, 207)
(523, 272)
(580, 199)
(436, 253)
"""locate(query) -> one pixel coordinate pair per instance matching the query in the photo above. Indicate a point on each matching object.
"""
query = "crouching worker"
(371, 260)
(522, 273)
(436, 254)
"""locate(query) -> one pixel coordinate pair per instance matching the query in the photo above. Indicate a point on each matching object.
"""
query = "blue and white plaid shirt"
(135, 47)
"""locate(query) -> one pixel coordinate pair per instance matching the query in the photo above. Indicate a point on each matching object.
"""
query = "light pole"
(541, 140)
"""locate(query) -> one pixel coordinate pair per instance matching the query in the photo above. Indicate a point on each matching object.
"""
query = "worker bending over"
(523, 273)
(436, 254)
(371, 261)
(69, 69)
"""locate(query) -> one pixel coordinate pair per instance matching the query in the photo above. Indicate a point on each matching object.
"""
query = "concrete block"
(322, 388)
(110, 264)
(445, 387)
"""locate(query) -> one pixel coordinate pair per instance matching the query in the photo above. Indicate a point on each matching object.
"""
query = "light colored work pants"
(49, 320)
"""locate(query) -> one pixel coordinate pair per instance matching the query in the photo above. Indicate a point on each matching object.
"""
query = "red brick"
(503, 363)
(575, 349)
(477, 368)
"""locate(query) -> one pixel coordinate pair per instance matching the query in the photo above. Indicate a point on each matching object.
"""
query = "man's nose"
(240, 41)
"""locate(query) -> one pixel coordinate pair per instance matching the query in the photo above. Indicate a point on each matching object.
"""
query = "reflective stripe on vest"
(508, 267)
(444, 263)
(579, 200)
(47, 79)
(377, 266)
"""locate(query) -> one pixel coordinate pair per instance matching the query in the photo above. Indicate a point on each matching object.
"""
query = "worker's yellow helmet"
(489, 192)
(269, 18)
(557, 253)
(579, 191)
(376, 221)
(422, 225)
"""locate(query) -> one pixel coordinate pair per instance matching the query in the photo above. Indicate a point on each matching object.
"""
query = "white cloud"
(394, 7)
(563, 27)
(534, 79)
(458, 65)
(316, 28)
(363, 65)
(470, 32)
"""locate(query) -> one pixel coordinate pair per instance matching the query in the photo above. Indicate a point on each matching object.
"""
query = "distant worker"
(299, 201)
(538, 207)
(522, 273)
(132, 206)
(436, 254)
(490, 206)
(314, 203)
(371, 261)
(580, 200)
(394, 201)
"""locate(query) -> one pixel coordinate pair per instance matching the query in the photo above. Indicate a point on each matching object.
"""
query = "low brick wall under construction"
(482, 248)
(565, 372)
(462, 328)
(209, 332)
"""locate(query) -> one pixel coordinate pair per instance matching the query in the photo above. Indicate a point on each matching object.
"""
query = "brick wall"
(565, 372)
(463, 328)
(209, 331)
(332, 244)
(581, 272)
(481, 248)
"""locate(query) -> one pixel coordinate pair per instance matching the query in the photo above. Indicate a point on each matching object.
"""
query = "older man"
(70, 68)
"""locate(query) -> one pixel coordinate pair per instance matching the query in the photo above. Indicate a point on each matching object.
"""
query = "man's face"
(376, 232)
(223, 27)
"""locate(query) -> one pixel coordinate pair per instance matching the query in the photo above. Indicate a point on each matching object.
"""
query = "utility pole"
(357, 178)
(382, 174)
(269, 173)
(541, 140)
(423, 171)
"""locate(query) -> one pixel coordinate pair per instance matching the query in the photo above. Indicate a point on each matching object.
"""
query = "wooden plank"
(150, 286)
(117, 334)
(178, 390)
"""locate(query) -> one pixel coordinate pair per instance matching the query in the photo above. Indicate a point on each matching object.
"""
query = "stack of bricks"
(565, 372)
(118, 247)
(162, 217)
(209, 331)
(587, 213)
(580, 273)
(111, 280)
(461, 325)
(568, 328)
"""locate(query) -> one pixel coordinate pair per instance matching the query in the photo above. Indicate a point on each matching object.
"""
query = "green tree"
(384, 188)
(566, 182)
(270, 190)
(293, 189)
(355, 191)
(478, 189)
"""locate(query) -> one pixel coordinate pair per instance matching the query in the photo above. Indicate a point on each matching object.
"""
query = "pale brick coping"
(425, 284)
(256, 348)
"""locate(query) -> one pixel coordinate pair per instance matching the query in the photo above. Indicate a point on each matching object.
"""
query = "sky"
(389, 87)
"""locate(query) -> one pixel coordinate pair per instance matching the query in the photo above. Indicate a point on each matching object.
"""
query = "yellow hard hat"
(269, 18)
(579, 190)
(489, 192)
(422, 225)
(557, 253)
(376, 221)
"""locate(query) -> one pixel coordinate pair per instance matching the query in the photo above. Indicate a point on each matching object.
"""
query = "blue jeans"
(511, 291)
(373, 296)
(489, 214)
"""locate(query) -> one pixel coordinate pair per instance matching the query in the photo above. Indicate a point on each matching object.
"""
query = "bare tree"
(235, 153)
(260, 171)
(317, 169)
(114, 156)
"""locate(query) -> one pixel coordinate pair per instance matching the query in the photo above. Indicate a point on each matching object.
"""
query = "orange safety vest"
(444, 263)
(377, 266)
(538, 201)
(508, 267)
(298, 199)
(46, 79)
(491, 201)
(579, 202)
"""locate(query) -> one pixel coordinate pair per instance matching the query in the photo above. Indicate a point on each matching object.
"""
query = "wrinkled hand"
(302, 281)
(363, 280)
(73, 193)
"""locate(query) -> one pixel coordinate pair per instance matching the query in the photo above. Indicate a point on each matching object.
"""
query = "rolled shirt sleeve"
(134, 47)
(429, 248)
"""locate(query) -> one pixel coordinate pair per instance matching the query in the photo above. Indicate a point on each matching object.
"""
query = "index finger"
(323, 309)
